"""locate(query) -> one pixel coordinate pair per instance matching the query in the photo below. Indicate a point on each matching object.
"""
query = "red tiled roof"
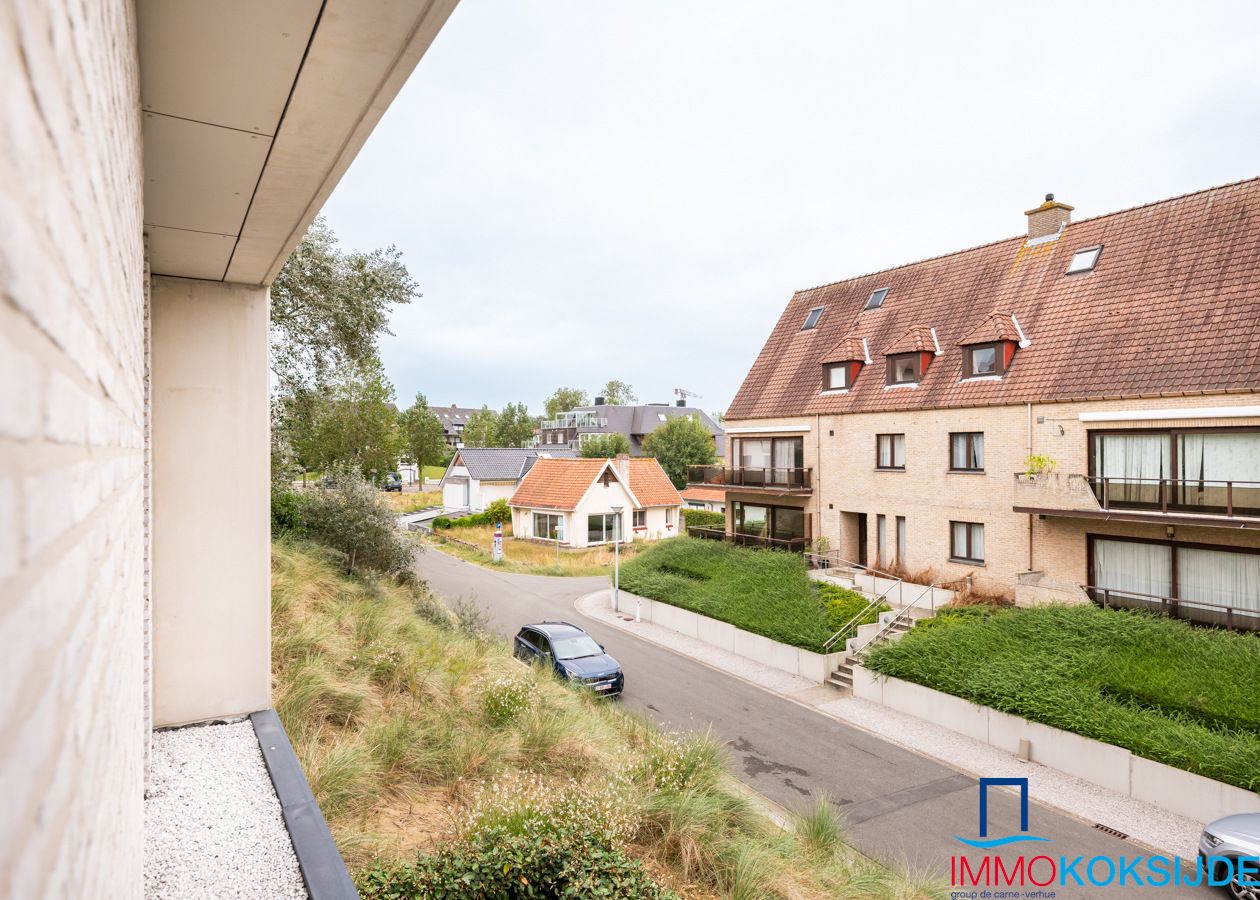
(997, 327)
(849, 349)
(1170, 308)
(558, 483)
(650, 485)
(706, 494)
(919, 338)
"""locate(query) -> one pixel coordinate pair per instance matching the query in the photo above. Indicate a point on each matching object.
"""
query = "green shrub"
(350, 517)
(498, 511)
(442, 522)
(704, 517)
(1158, 687)
(286, 511)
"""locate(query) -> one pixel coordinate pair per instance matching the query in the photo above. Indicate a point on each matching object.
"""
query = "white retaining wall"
(1169, 788)
(814, 666)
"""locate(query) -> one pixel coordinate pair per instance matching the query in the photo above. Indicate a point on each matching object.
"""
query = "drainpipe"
(817, 476)
(1030, 515)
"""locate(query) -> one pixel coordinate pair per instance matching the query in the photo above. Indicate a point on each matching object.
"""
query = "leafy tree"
(422, 434)
(329, 307)
(605, 446)
(565, 399)
(514, 427)
(357, 422)
(618, 393)
(678, 443)
(481, 429)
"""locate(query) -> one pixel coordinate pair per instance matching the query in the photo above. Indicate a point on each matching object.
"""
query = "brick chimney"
(1048, 218)
(623, 466)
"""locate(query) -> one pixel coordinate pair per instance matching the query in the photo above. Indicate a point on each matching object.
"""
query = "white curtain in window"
(959, 540)
(881, 531)
(977, 444)
(977, 542)
(1135, 461)
(885, 451)
(901, 539)
(958, 451)
(1219, 577)
(1218, 457)
(754, 454)
(1130, 566)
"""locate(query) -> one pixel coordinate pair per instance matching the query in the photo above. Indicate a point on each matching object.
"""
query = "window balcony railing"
(791, 545)
(1242, 618)
(1094, 494)
(581, 421)
(756, 477)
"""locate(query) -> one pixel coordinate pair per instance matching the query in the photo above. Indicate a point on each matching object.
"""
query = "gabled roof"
(919, 338)
(997, 327)
(1170, 309)
(500, 463)
(561, 483)
(850, 349)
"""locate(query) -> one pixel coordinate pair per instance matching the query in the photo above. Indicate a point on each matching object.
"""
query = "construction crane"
(682, 394)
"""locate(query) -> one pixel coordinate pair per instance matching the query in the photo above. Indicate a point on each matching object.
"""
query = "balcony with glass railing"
(755, 478)
(576, 420)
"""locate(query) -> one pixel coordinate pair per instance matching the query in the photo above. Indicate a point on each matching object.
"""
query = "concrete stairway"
(901, 622)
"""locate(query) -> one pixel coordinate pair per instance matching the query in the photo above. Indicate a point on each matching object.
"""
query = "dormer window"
(905, 368)
(984, 359)
(1084, 260)
(837, 377)
(812, 319)
(876, 299)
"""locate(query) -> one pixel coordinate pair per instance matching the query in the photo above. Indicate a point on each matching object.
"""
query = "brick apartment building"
(1057, 414)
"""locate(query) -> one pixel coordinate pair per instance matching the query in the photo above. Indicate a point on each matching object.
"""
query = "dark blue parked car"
(573, 653)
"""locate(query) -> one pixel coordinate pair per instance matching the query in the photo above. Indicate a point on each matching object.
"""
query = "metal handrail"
(902, 613)
(1172, 603)
(740, 476)
(897, 582)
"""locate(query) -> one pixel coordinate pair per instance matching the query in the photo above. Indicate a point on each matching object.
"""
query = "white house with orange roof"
(581, 502)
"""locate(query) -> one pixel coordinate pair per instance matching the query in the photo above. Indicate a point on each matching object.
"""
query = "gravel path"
(1143, 822)
(212, 823)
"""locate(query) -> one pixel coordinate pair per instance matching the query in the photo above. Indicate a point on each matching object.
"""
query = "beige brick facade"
(841, 450)
(72, 426)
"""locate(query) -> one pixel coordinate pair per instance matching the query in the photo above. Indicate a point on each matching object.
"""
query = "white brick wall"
(72, 295)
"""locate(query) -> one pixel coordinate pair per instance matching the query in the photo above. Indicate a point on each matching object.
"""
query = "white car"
(1235, 838)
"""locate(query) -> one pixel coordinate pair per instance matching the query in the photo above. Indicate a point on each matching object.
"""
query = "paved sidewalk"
(1142, 822)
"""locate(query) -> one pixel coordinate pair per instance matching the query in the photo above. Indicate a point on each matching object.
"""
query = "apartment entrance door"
(861, 539)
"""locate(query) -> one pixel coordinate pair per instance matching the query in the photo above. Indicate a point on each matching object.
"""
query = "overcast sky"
(591, 189)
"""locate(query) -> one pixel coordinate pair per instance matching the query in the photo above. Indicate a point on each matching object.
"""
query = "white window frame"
(1078, 264)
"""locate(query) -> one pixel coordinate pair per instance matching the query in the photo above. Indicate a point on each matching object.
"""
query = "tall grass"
(1161, 688)
(767, 592)
(409, 728)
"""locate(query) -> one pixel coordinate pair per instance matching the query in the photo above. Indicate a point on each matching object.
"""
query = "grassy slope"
(764, 591)
(1183, 696)
(404, 502)
(530, 557)
(385, 702)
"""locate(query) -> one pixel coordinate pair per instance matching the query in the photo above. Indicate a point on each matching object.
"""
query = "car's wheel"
(1240, 891)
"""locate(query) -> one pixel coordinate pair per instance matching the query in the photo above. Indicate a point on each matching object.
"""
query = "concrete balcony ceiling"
(251, 114)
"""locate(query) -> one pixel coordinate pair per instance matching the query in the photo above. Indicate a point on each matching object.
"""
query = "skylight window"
(876, 299)
(812, 319)
(1084, 260)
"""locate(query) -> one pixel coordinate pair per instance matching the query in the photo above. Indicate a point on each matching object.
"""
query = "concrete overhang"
(252, 112)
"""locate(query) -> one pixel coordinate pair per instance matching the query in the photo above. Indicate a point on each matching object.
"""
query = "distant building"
(453, 419)
(712, 499)
(571, 429)
(477, 476)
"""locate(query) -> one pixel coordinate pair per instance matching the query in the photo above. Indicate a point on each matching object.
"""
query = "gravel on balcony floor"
(212, 823)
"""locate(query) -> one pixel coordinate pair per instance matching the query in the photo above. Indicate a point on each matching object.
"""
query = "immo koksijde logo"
(979, 876)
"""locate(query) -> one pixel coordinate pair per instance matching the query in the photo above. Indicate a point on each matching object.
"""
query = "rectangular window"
(901, 539)
(837, 377)
(669, 515)
(903, 368)
(890, 451)
(985, 359)
(770, 461)
(548, 527)
(640, 518)
(601, 529)
(876, 299)
(881, 540)
(966, 451)
(1084, 260)
(966, 542)
(812, 319)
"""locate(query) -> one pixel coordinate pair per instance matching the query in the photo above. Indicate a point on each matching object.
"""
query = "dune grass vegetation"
(767, 592)
(527, 557)
(447, 769)
(1159, 687)
(402, 502)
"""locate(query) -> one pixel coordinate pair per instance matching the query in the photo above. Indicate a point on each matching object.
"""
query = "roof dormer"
(989, 348)
(842, 364)
(910, 355)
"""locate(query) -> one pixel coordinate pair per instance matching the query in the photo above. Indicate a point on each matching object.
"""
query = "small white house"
(477, 476)
(581, 502)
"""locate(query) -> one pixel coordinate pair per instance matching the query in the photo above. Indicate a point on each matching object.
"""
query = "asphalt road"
(899, 807)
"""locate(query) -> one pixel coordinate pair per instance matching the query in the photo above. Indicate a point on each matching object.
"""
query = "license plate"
(603, 687)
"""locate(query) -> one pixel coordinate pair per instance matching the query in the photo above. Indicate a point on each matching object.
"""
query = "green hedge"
(1158, 687)
(767, 592)
(703, 517)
